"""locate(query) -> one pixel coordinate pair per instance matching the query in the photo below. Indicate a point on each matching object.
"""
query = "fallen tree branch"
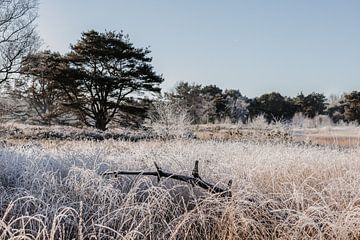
(193, 180)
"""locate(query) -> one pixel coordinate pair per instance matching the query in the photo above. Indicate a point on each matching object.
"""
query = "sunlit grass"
(54, 190)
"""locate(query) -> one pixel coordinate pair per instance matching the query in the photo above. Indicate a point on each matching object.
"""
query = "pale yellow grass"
(54, 190)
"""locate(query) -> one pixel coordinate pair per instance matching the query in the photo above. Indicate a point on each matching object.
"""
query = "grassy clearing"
(53, 190)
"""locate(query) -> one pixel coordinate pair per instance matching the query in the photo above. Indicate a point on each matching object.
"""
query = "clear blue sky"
(254, 46)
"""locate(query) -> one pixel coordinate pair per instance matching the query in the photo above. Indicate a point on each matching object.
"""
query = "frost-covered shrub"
(170, 120)
(300, 121)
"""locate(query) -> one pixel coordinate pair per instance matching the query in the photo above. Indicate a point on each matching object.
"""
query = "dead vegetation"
(280, 191)
(195, 179)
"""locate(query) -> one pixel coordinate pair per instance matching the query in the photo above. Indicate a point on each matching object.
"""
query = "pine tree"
(103, 76)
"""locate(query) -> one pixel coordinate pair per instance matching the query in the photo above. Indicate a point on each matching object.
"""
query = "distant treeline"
(204, 104)
(210, 104)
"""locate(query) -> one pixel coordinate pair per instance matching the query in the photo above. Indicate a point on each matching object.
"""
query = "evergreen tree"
(310, 105)
(351, 105)
(214, 98)
(273, 105)
(102, 77)
(190, 97)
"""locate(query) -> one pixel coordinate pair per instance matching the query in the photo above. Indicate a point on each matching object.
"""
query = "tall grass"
(54, 190)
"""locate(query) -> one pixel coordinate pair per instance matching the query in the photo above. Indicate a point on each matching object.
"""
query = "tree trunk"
(100, 123)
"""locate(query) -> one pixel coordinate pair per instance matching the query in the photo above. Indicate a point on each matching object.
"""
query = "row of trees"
(212, 104)
(104, 79)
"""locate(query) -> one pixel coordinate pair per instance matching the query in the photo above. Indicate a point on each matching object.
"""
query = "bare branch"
(193, 180)
(17, 35)
(195, 172)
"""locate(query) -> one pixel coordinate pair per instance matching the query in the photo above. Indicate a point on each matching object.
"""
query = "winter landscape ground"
(282, 189)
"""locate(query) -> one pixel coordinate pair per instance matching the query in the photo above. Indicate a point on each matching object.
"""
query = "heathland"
(52, 187)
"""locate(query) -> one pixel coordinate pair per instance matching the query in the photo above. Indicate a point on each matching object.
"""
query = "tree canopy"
(351, 105)
(273, 106)
(103, 75)
(310, 105)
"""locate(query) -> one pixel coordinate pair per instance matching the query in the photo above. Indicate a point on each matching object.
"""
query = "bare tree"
(18, 36)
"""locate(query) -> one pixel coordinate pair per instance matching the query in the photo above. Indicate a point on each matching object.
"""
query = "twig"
(193, 180)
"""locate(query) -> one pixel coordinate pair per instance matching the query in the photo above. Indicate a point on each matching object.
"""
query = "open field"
(340, 136)
(343, 136)
(53, 189)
